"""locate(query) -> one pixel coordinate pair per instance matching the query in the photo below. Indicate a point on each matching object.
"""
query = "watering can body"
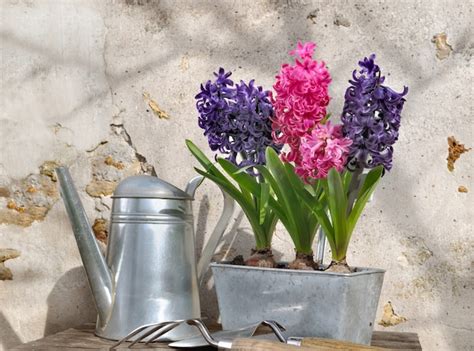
(149, 274)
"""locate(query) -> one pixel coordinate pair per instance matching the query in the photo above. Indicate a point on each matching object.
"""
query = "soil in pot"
(264, 258)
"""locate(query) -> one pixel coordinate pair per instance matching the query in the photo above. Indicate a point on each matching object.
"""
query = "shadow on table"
(8, 337)
(70, 302)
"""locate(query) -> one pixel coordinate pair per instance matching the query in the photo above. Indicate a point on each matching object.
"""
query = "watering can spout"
(94, 262)
(217, 233)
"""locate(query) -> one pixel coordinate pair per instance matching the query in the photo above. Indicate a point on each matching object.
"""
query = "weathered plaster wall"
(73, 74)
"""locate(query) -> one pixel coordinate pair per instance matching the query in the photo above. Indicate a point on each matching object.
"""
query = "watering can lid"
(144, 186)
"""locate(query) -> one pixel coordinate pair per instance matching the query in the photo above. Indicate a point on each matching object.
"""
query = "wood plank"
(266, 345)
(394, 336)
(336, 345)
(83, 338)
(396, 340)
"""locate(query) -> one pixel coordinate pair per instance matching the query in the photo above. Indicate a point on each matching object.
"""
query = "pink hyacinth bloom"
(303, 50)
(301, 99)
(323, 149)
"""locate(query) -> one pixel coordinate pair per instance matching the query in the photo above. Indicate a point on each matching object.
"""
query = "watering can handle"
(216, 236)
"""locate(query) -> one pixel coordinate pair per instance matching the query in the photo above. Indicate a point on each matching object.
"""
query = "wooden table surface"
(83, 338)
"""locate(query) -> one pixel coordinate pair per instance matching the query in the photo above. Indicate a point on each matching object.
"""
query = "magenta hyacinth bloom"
(236, 119)
(301, 99)
(371, 117)
(323, 149)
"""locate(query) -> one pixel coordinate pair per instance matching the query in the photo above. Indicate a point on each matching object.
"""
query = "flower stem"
(354, 187)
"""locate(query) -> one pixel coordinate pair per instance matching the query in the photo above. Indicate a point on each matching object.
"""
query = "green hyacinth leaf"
(337, 204)
(263, 201)
(368, 186)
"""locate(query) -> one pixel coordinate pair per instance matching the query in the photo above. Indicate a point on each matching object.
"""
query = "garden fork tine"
(277, 329)
(204, 331)
(159, 330)
(194, 322)
(131, 334)
(139, 330)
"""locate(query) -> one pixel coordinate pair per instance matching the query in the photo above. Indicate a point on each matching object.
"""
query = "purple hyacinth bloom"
(371, 117)
(214, 106)
(236, 119)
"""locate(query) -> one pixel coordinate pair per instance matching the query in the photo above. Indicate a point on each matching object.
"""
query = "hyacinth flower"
(371, 120)
(300, 106)
(329, 159)
(324, 148)
(371, 117)
(236, 120)
(301, 100)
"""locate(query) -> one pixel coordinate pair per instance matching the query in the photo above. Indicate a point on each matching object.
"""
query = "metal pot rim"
(359, 270)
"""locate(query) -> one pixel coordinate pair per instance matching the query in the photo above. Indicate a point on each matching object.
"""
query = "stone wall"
(88, 84)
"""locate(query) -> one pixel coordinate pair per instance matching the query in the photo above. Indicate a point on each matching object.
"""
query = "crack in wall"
(112, 161)
(97, 146)
(120, 129)
(117, 126)
(470, 330)
(108, 77)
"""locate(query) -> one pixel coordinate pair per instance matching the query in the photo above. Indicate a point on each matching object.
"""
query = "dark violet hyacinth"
(214, 106)
(236, 120)
(371, 117)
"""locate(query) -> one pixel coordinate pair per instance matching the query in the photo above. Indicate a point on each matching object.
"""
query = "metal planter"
(308, 303)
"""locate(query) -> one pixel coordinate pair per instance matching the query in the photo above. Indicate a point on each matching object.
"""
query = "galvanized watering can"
(149, 274)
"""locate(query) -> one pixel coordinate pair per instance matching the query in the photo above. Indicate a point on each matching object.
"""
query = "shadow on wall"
(208, 299)
(200, 40)
(235, 236)
(70, 302)
(440, 273)
(9, 337)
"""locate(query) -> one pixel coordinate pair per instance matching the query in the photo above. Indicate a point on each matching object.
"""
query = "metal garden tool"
(226, 335)
(312, 343)
(234, 340)
(149, 274)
